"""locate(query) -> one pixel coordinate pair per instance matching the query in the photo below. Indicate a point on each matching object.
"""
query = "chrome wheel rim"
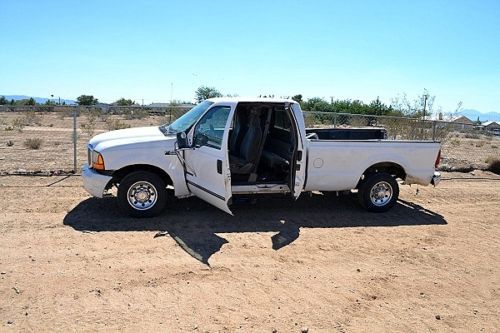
(142, 195)
(381, 194)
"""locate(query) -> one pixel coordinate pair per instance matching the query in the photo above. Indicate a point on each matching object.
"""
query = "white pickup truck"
(228, 146)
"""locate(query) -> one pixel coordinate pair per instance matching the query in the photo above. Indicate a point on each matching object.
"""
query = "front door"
(207, 165)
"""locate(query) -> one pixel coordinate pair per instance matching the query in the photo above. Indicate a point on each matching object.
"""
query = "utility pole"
(425, 103)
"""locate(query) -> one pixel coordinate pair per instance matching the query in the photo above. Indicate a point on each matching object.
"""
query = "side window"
(282, 121)
(209, 131)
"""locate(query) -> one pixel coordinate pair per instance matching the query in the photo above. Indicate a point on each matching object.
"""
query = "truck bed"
(364, 133)
(335, 165)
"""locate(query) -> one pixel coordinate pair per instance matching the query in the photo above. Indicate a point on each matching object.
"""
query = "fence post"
(334, 120)
(74, 142)
(434, 130)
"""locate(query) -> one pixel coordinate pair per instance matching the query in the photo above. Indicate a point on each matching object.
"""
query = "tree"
(298, 98)
(317, 104)
(124, 102)
(3, 100)
(204, 92)
(87, 100)
(31, 101)
(422, 106)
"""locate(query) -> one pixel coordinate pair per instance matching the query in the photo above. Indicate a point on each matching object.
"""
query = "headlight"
(97, 161)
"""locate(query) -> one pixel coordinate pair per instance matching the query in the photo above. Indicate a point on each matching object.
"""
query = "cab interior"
(262, 144)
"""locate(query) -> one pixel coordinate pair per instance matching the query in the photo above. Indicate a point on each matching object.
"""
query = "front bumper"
(94, 182)
(436, 178)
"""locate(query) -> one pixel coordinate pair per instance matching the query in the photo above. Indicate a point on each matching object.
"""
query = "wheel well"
(389, 167)
(119, 174)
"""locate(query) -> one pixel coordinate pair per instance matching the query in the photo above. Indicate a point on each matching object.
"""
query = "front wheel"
(142, 194)
(379, 192)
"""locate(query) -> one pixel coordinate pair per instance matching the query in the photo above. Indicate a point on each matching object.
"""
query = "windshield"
(187, 120)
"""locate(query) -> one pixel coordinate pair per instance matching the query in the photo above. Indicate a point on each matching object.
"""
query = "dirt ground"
(69, 262)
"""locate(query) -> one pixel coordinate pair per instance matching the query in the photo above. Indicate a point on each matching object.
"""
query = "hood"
(129, 136)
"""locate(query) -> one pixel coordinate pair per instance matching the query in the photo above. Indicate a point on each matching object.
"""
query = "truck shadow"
(194, 225)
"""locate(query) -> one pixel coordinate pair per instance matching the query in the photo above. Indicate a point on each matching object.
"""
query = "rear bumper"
(94, 182)
(436, 178)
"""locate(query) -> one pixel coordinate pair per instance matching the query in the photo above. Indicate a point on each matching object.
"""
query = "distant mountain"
(473, 114)
(40, 100)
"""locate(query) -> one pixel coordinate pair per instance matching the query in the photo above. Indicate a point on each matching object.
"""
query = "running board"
(260, 188)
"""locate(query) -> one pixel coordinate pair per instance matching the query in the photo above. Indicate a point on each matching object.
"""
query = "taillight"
(438, 159)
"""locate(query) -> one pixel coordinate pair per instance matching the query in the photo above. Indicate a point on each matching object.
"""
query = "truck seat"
(245, 161)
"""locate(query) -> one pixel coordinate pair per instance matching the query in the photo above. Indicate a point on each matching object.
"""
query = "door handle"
(219, 167)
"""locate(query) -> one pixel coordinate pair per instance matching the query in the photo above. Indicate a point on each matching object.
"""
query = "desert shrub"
(116, 124)
(359, 121)
(18, 124)
(471, 136)
(480, 144)
(455, 142)
(494, 146)
(33, 143)
(88, 126)
(494, 166)
(104, 117)
(136, 114)
(66, 112)
(10, 143)
(31, 118)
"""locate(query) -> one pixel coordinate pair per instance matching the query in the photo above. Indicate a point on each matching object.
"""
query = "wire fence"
(53, 139)
(398, 128)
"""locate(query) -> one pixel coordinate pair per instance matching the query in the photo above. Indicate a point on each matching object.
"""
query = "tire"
(142, 194)
(379, 192)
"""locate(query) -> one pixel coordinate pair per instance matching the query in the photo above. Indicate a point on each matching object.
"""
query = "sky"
(158, 50)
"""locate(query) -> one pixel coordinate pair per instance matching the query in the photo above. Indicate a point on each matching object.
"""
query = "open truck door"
(207, 162)
(298, 176)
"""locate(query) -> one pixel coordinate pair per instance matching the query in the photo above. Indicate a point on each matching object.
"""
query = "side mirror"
(182, 140)
(201, 140)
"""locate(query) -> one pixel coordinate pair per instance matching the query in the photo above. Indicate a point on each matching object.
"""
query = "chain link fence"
(49, 140)
(465, 146)
(398, 128)
(53, 139)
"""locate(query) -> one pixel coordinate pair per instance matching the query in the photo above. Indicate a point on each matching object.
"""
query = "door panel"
(299, 176)
(210, 177)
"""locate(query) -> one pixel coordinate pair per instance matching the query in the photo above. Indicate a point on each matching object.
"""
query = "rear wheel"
(379, 192)
(142, 194)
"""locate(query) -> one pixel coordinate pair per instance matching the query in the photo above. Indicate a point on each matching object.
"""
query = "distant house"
(491, 125)
(159, 105)
(463, 122)
(166, 105)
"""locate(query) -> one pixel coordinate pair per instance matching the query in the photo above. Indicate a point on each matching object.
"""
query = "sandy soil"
(70, 262)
